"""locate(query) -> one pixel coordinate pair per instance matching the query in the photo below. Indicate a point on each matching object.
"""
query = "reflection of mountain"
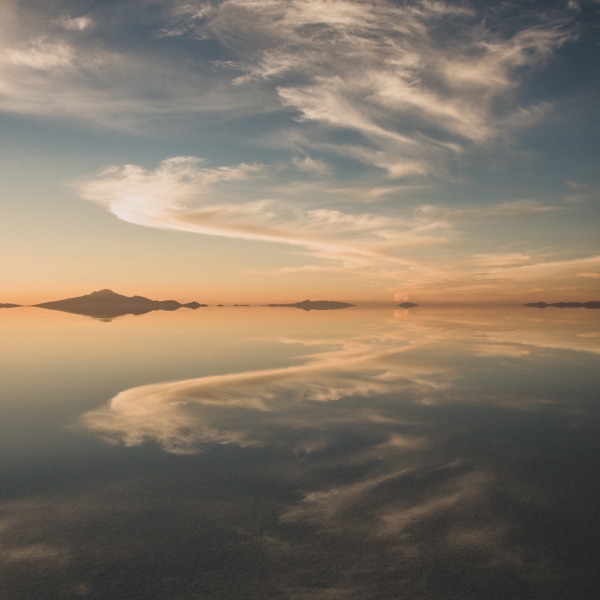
(9, 305)
(106, 304)
(407, 305)
(316, 305)
(590, 304)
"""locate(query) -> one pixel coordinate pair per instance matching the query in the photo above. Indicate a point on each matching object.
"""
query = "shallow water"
(273, 453)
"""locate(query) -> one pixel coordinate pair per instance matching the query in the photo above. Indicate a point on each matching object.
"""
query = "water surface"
(261, 453)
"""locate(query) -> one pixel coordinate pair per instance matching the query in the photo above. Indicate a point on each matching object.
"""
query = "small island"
(407, 305)
(106, 304)
(590, 304)
(316, 305)
(9, 305)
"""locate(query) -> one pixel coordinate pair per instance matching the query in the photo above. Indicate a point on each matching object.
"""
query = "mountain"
(106, 304)
(408, 305)
(9, 305)
(590, 304)
(316, 305)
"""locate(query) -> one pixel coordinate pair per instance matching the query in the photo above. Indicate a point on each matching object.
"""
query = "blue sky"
(275, 150)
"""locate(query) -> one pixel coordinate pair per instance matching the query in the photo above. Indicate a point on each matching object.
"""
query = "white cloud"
(48, 70)
(501, 259)
(383, 70)
(581, 192)
(75, 24)
(183, 194)
(514, 209)
(570, 266)
(310, 165)
(280, 204)
(41, 55)
(406, 89)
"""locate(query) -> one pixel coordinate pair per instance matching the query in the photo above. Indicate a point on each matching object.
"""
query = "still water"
(257, 453)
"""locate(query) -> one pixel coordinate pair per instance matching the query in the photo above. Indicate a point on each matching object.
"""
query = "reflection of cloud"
(375, 510)
(462, 493)
(34, 553)
(379, 476)
(239, 408)
(409, 361)
(355, 478)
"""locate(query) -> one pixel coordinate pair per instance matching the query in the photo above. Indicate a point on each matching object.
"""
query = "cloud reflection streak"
(424, 362)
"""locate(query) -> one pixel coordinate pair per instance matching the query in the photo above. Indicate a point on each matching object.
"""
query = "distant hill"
(9, 305)
(106, 304)
(316, 305)
(408, 305)
(590, 304)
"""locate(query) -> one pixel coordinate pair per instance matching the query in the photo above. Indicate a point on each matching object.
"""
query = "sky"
(277, 150)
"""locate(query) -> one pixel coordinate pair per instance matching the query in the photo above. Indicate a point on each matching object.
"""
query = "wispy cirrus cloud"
(186, 195)
(415, 82)
(284, 204)
(390, 72)
(41, 55)
(501, 259)
(59, 66)
(75, 23)
(369, 105)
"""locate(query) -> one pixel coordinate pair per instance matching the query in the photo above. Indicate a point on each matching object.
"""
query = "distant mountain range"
(408, 305)
(316, 305)
(9, 305)
(107, 304)
(590, 304)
